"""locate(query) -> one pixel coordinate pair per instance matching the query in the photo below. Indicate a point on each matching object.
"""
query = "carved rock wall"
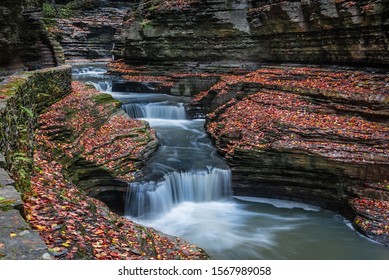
(93, 31)
(24, 41)
(243, 31)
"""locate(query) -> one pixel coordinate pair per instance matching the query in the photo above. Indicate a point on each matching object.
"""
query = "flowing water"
(187, 192)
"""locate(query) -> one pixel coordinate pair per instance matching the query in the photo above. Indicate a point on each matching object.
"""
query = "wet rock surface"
(17, 240)
(308, 134)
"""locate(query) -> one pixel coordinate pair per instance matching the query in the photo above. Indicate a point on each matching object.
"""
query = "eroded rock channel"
(187, 186)
(255, 117)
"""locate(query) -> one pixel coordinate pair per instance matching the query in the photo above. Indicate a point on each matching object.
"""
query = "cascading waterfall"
(152, 198)
(158, 110)
(88, 71)
(198, 206)
(103, 86)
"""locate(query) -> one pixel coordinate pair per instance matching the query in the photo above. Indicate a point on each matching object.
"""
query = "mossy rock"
(106, 98)
(12, 86)
(6, 204)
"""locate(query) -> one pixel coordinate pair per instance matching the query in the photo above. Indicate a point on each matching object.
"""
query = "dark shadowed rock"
(242, 32)
(24, 41)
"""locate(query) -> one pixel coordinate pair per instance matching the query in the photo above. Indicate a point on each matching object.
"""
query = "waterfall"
(149, 199)
(198, 206)
(157, 110)
(88, 71)
(103, 86)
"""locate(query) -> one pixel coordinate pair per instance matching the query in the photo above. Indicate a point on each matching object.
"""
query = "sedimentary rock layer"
(95, 140)
(92, 32)
(24, 41)
(244, 31)
(307, 134)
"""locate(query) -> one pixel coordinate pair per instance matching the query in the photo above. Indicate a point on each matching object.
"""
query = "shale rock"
(92, 31)
(24, 41)
(99, 146)
(242, 32)
(307, 134)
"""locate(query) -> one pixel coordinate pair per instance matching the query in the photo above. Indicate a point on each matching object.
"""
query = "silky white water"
(187, 192)
(152, 199)
(157, 110)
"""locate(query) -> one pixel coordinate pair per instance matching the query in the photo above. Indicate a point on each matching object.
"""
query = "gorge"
(186, 187)
(294, 95)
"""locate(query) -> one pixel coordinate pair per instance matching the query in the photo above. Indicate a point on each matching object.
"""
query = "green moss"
(106, 98)
(11, 87)
(6, 204)
(66, 12)
(48, 10)
(28, 111)
(146, 24)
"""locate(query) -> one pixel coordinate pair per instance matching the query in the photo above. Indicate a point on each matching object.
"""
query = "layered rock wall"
(24, 41)
(92, 29)
(244, 31)
(307, 134)
(99, 146)
(24, 97)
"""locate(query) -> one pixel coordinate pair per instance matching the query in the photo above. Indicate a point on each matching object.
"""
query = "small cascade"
(103, 86)
(157, 110)
(135, 110)
(88, 71)
(149, 199)
(198, 205)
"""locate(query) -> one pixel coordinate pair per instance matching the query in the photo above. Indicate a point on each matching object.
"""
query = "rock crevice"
(24, 41)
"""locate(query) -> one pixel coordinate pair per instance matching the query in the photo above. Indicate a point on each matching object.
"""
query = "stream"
(187, 192)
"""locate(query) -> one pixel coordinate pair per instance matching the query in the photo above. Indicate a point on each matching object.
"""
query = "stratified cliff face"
(33, 31)
(325, 31)
(24, 42)
(91, 30)
(308, 134)
(10, 15)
